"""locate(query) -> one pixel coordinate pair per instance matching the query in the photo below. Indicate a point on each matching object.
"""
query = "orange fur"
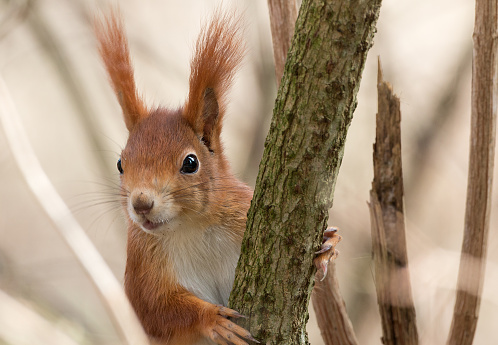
(113, 48)
(218, 53)
(167, 311)
(196, 221)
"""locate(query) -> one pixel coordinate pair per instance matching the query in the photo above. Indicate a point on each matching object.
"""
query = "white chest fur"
(204, 262)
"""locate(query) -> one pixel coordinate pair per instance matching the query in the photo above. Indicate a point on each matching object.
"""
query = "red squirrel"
(185, 211)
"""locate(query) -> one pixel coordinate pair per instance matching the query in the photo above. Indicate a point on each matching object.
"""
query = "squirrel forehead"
(162, 132)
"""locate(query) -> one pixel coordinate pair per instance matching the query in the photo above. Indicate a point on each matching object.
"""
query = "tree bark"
(303, 152)
(332, 318)
(392, 278)
(480, 179)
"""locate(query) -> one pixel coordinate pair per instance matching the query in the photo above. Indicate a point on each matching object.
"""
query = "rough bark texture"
(392, 279)
(480, 179)
(300, 163)
(283, 14)
(332, 317)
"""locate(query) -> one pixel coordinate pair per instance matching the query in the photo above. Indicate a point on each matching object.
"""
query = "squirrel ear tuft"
(113, 48)
(218, 53)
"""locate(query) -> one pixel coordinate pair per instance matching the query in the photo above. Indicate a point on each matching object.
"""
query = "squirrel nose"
(143, 203)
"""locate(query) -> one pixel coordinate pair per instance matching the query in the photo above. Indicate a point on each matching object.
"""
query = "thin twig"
(264, 76)
(480, 179)
(392, 279)
(332, 317)
(283, 15)
(109, 288)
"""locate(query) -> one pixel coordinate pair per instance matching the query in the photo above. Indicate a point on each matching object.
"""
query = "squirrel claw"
(218, 339)
(226, 332)
(327, 251)
(225, 311)
(330, 231)
(325, 248)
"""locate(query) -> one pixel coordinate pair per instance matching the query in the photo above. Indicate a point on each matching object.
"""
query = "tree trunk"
(303, 152)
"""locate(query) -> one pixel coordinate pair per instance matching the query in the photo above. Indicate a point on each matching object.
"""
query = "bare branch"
(45, 193)
(388, 225)
(330, 309)
(480, 179)
(283, 14)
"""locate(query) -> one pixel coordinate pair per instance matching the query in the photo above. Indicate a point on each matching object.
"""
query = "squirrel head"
(173, 167)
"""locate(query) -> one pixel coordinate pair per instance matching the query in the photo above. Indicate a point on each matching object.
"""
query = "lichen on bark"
(302, 156)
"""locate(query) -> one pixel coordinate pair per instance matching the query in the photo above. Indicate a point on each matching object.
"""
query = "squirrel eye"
(120, 168)
(190, 164)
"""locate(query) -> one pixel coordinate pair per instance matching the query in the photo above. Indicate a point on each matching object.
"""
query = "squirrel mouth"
(149, 225)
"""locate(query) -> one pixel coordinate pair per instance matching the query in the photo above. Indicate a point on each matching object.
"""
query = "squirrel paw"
(225, 332)
(327, 251)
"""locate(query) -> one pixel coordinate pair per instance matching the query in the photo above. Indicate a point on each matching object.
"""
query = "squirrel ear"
(211, 125)
(113, 48)
(206, 123)
(218, 54)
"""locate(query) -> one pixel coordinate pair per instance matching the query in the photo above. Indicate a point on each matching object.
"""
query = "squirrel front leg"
(179, 317)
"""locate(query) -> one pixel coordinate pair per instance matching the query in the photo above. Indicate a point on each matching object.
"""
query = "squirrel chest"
(204, 262)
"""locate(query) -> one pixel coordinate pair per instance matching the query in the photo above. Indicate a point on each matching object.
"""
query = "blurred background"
(50, 65)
